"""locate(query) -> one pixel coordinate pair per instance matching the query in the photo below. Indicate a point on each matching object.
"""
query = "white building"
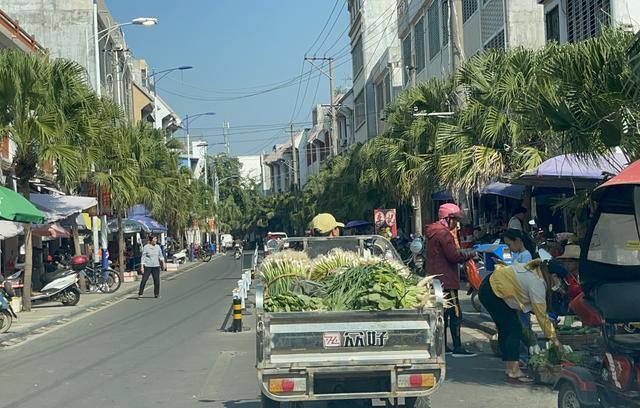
(373, 29)
(423, 27)
(577, 20)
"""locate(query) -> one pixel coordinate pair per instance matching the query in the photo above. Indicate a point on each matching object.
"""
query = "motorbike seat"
(50, 277)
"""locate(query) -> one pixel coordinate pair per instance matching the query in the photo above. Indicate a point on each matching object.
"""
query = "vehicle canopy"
(610, 256)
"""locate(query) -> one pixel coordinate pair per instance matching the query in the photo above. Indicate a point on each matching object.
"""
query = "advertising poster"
(385, 222)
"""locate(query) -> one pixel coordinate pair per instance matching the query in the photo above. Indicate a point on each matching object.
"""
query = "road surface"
(170, 352)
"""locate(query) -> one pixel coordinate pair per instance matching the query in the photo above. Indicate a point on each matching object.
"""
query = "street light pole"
(158, 124)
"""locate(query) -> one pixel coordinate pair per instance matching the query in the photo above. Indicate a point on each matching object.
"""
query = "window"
(406, 58)
(445, 22)
(433, 26)
(359, 109)
(418, 45)
(615, 240)
(586, 18)
(358, 57)
(552, 25)
(497, 42)
(387, 90)
(468, 8)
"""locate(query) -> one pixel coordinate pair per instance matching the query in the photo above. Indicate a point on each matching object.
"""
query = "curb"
(7, 340)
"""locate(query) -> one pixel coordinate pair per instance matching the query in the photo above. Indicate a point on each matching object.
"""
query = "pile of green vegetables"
(339, 281)
(552, 357)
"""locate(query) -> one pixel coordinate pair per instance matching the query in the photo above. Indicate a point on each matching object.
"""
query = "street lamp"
(187, 120)
(164, 73)
(143, 21)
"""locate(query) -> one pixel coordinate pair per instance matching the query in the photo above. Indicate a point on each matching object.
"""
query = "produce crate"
(580, 341)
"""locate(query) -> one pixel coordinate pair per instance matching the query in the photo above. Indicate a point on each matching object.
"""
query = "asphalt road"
(169, 352)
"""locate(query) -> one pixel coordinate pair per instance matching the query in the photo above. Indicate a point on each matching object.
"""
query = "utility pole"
(225, 133)
(332, 106)
(294, 160)
(456, 39)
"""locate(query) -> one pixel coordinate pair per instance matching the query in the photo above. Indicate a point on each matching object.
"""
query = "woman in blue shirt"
(521, 246)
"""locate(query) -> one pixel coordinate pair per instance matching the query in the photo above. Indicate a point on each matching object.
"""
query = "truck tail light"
(416, 380)
(284, 385)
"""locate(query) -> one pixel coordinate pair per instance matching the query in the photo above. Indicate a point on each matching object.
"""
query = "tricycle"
(609, 375)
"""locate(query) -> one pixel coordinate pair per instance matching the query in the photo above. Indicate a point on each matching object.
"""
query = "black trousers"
(506, 320)
(155, 272)
(453, 318)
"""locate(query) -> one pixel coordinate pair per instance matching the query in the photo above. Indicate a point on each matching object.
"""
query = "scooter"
(59, 286)
(6, 311)
(238, 252)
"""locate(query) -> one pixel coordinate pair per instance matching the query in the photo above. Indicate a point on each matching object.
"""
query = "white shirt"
(515, 223)
(152, 255)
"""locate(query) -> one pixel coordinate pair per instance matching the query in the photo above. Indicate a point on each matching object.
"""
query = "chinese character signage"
(385, 222)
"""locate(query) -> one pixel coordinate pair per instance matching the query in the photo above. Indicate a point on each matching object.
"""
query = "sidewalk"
(474, 319)
(45, 316)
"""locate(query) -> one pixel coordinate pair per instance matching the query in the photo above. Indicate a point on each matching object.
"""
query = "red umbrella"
(51, 230)
(630, 175)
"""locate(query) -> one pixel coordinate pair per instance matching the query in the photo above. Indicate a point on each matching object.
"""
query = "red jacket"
(443, 256)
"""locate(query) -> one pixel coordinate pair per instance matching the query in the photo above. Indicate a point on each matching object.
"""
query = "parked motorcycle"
(59, 286)
(6, 311)
(238, 252)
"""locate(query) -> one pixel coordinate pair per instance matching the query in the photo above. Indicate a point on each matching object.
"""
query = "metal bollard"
(237, 313)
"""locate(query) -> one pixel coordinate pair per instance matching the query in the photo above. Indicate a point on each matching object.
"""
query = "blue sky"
(237, 47)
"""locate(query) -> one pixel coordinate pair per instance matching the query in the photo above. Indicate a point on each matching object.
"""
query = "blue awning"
(515, 191)
(442, 195)
(153, 225)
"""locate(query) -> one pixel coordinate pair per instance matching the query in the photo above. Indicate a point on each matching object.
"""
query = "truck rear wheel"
(419, 402)
(269, 403)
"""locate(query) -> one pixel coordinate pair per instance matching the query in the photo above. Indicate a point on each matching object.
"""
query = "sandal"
(522, 380)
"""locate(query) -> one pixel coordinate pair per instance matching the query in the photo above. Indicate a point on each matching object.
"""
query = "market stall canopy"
(573, 171)
(357, 224)
(57, 207)
(14, 207)
(442, 195)
(630, 175)
(504, 190)
(128, 226)
(84, 221)
(51, 230)
(141, 214)
(9, 229)
(153, 225)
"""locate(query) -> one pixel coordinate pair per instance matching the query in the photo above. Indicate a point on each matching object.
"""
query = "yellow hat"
(570, 252)
(324, 223)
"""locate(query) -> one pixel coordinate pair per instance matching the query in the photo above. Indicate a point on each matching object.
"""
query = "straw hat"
(570, 252)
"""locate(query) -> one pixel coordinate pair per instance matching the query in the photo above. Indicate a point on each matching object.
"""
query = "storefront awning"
(57, 207)
(504, 190)
(572, 171)
(141, 214)
(9, 229)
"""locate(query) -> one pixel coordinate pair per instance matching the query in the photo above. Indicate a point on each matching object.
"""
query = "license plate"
(360, 339)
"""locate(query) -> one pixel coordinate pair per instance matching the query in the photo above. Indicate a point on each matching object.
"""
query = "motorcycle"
(238, 252)
(6, 311)
(415, 258)
(59, 286)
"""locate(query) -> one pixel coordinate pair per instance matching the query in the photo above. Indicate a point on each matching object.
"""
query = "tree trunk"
(416, 203)
(28, 267)
(121, 247)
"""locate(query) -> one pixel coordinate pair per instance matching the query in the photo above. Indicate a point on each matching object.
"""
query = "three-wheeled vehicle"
(609, 375)
(383, 358)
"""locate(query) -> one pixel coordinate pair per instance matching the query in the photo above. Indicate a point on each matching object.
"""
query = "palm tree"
(40, 110)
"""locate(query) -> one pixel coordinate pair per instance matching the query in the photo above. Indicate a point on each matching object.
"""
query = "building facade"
(577, 20)
(373, 30)
(423, 28)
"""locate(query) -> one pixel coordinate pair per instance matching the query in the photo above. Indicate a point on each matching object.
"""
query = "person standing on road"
(443, 258)
(152, 261)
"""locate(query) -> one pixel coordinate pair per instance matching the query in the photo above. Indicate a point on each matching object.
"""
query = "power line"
(326, 23)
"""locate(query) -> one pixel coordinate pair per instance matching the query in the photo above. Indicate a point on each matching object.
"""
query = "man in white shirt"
(517, 219)
(152, 261)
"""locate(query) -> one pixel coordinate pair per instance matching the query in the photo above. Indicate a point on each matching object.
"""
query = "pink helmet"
(449, 210)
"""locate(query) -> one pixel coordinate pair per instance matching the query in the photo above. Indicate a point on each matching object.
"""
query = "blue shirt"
(521, 257)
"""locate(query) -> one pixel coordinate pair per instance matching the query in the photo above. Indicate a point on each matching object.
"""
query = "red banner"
(385, 222)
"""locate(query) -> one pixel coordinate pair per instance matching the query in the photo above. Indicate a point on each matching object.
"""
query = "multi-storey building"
(577, 20)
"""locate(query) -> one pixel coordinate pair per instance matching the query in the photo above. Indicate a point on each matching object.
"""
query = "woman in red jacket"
(443, 257)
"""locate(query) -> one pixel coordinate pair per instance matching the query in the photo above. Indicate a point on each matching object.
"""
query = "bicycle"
(96, 282)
